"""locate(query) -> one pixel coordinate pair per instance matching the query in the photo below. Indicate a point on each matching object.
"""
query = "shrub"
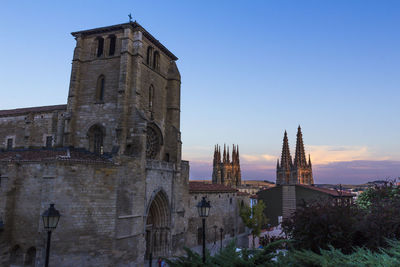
(344, 226)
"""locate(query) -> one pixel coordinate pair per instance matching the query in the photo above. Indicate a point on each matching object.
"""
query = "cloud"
(260, 158)
(329, 154)
(331, 164)
(355, 172)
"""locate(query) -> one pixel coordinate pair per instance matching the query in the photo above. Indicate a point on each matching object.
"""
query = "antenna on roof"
(130, 17)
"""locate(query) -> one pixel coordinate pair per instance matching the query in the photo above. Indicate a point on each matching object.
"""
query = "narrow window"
(151, 97)
(100, 89)
(49, 141)
(96, 137)
(100, 46)
(111, 51)
(10, 142)
(156, 61)
(149, 55)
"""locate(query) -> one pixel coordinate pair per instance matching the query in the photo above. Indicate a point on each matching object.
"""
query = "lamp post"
(203, 207)
(50, 220)
(221, 231)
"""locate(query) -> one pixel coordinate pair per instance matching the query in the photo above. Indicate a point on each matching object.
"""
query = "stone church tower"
(297, 172)
(124, 83)
(225, 171)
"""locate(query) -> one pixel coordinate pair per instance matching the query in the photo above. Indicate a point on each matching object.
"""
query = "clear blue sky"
(250, 70)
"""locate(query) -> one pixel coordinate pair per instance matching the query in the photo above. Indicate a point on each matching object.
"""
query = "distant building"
(225, 171)
(253, 186)
(297, 172)
(294, 184)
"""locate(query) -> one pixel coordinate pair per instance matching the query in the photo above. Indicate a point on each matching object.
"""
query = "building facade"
(110, 160)
(225, 171)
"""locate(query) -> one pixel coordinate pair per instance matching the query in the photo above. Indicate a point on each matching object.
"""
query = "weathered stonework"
(110, 160)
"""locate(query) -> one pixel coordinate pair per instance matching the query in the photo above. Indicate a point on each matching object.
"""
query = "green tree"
(388, 192)
(253, 217)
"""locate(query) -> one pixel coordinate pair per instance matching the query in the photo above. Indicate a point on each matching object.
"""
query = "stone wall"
(29, 127)
(85, 195)
(224, 213)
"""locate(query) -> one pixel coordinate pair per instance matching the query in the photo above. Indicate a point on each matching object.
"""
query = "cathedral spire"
(277, 164)
(227, 156)
(233, 153)
(300, 155)
(224, 158)
(309, 160)
(286, 159)
(237, 154)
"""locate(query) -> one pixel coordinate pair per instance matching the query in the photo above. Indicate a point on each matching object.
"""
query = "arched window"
(149, 55)
(16, 256)
(96, 136)
(111, 50)
(30, 257)
(151, 98)
(100, 88)
(100, 46)
(156, 60)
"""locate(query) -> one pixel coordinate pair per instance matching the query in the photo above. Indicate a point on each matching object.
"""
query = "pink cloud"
(351, 172)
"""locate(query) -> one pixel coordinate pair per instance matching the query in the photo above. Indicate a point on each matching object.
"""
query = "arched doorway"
(158, 227)
(96, 136)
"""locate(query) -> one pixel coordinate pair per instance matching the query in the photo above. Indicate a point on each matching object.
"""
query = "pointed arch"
(149, 58)
(100, 46)
(100, 88)
(113, 39)
(96, 135)
(151, 98)
(158, 221)
(156, 60)
(16, 256)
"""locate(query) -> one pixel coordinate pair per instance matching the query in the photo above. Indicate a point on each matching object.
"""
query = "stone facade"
(110, 160)
(225, 171)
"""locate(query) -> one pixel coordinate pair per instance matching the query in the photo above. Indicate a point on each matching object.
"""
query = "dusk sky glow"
(250, 70)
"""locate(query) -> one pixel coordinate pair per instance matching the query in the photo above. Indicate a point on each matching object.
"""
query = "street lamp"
(50, 220)
(221, 230)
(203, 207)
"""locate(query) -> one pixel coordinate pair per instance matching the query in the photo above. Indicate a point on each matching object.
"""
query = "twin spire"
(300, 155)
(298, 171)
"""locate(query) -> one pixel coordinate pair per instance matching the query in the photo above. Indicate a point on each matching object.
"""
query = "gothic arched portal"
(158, 227)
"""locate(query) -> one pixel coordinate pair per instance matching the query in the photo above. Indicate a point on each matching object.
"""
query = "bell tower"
(124, 85)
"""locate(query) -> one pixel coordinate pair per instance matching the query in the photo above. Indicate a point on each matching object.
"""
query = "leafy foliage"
(384, 192)
(228, 257)
(385, 257)
(331, 257)
(254, 217)
(345, 225)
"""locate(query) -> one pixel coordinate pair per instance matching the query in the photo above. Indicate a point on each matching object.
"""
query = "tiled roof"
(20, 111)
(243, 194)
(37, 155)
(334, 193)
(201, 187)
